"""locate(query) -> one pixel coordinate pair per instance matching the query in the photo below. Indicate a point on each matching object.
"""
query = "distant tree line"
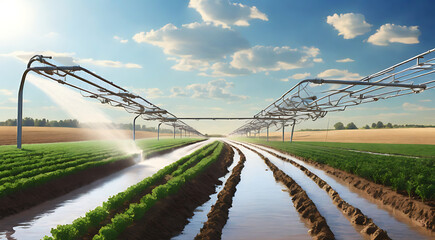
(73, 123)
(378, 125)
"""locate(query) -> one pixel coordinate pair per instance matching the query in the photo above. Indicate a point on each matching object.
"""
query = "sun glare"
(14, 17)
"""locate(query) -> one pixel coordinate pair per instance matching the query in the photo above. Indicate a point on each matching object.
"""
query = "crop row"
(39, 163)
(415, 176)
(93, 218)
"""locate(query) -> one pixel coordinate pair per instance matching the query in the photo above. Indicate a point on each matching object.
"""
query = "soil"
(418, 212)
(319, 229)
(356, 217)
(168, 217)
(391, 135)
(27, 198)
(218, 215)
(64, 134)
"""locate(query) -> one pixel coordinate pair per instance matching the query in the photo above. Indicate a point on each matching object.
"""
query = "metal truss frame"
(94, 86)
(299, 103)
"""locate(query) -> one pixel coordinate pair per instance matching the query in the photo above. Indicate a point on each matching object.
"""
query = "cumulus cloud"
(415, 107)
(215, 89)
(225, 13)
(148, 93)
(188, 64)
(221, 69)
(391, 33)
(268, 58)
(349, 25)
(195, 40)
(300, 75)
(69, 59)
(120, 39)
(345, 60)
(6, 92)
(337, 74)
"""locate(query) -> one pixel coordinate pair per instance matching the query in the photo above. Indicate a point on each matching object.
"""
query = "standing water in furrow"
(261, 209)
(37, 222)
(396, 226)
(339, 225)
(197, 220)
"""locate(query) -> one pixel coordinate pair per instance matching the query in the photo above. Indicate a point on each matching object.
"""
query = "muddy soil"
(420, 213)
(168, 217)
(218, 215)
(319, 229)
(27, 198)
(370, 229)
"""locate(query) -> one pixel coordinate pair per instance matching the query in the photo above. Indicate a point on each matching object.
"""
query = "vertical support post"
(174, 131)
(134, 127)
(158, 131)
(181, 133)
(283, 126)
(293, 129)
(267, 136)
(20, 107)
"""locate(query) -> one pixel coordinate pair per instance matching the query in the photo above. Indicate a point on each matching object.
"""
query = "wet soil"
(370, 229)
(319, 229)
(27, 198)
(218, 215)
(168, 217)
(420, 213)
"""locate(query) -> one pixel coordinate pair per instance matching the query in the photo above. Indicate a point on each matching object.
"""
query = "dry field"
(8, 135)
(397, 135)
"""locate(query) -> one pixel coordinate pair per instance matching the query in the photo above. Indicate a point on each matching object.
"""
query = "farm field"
(394, 136)
(38, 164)
(64, 134)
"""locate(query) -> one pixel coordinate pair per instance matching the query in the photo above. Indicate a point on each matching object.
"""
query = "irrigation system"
(294, 106)
(300, 103)
(94, 86)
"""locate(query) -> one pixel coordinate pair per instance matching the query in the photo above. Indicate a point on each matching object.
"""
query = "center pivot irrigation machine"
(299, 103)
(296, 105)
(94, 86)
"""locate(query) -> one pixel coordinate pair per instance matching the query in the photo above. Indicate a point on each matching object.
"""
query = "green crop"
(135, 211)
(413, 175)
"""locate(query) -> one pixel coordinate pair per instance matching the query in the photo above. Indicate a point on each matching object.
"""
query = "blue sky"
(218, 58)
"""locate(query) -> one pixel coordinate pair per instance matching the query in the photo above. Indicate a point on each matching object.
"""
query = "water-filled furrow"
(339, 225)
(397, 226)
(261, 207)
(37, 222)
(200, 216)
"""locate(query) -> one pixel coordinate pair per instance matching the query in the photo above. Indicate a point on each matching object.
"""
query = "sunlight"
(14, 16)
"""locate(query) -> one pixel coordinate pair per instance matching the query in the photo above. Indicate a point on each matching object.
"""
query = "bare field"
(8, 135)
(396, 135)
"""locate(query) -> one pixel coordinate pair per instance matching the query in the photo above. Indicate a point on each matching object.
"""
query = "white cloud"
(300, 75)
(148, 93)
(391, 33)
(426, 100)
(318, 60)
(188, 64)
(345, 60)
(349, 25)
(216, 109)
(203, 41)
(120, 39)
(107, 63)
(178, 92)
(68, 59)
(215, 89)
(268, 58)
(269, 99)
(415, 107)
(284, 79)
(225, 13)
(221, 69)
(6, 92)
(337, 74)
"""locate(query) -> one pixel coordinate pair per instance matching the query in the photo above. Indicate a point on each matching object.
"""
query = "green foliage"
(339, 126)
(380, 124)
(351, 125)
(135, 211)
(366, 127)
(414, 175)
